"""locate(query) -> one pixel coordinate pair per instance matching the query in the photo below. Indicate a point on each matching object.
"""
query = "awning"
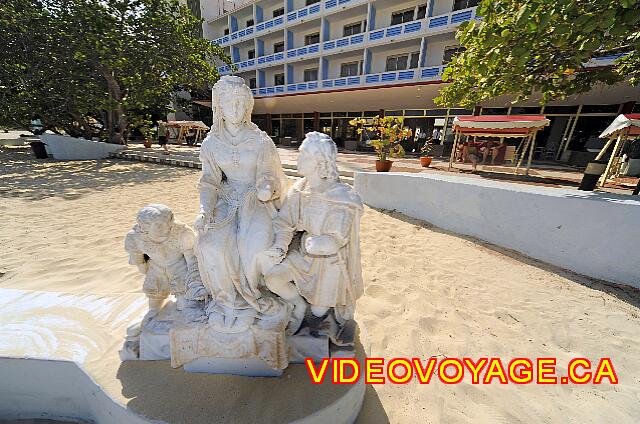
(499, 125)
(623, 121)
(189, 124)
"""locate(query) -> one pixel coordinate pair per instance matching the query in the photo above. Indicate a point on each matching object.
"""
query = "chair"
(510, 154)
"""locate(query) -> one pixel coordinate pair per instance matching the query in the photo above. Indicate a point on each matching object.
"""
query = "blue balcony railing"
(352, 40)
(391, 77)
(302, 87)
(303, 13)
(303, 51)
(431, 73)
(270, 59)
(270, 91)
(270, 24)
(342, 82)
(396, 30)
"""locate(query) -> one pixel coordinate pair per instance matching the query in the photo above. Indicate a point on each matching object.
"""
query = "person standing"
(163, 133)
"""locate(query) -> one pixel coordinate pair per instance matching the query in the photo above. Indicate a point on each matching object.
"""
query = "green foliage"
(390, 131)
(541, 46)
(98, 66)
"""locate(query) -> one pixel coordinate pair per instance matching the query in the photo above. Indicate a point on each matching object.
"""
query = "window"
(402, 17)
(349, 69)
(311, 74)
(352, 29)
(251, 54)
(249, 23)
(422, 11)
(449, 53)
(252, 83)
(310, 2)
(312, 39)
(278, 12)
(278, 79)
(226, 31)
(278, 47)
(463, 4)
(402, 62)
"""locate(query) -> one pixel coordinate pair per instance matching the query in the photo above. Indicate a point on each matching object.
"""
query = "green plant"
(526, 48)
(426, 149)
(115, 62)
(390, 132)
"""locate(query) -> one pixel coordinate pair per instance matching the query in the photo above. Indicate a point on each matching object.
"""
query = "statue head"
(318, 154)
(155, 221)
(231, 101)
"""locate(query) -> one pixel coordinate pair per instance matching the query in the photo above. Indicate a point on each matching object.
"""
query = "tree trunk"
(119, 118)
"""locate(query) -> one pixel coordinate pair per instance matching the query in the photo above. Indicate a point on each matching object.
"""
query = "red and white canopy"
(499, 125)
(623, 121)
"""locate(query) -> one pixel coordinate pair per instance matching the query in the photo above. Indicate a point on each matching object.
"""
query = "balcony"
(270, 24)
(235, 37)
(304, 13)
(270, 59)
(304, 52)
(350, 41)
(333, 4)
(433, 73)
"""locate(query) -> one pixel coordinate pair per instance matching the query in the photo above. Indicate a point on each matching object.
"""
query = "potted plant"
(147, 133)
(390, 132)
(425, 152)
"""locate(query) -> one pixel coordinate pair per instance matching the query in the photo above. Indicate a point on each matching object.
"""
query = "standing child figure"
(322, 274)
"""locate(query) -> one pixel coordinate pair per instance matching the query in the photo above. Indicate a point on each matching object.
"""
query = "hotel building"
(316, 64)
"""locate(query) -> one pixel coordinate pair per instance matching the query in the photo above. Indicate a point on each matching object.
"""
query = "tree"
(98, 65)
(542, 46)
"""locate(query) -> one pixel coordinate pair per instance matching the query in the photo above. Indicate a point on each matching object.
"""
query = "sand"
(428, 292)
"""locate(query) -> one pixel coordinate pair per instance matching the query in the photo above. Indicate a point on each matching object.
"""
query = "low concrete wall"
(69, 148)
(594, 234)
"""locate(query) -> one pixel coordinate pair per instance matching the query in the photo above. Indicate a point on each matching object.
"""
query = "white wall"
(270, 40)
(440, 7)
(335, 62)
(379, 56)
(383, 12)
(594, 234)
(336, 25)
(435, 49)
(270, 73)
(298, 70)
(269, 8)
(300, 32)
(243, 16)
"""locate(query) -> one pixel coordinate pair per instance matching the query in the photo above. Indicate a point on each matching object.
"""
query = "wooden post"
(455, 148)
(612, 159)
(526, 142)
(604, 149)
(533, 146)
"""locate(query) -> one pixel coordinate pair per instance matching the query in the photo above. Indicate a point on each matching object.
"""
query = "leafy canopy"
(542, 46)
(98, 65)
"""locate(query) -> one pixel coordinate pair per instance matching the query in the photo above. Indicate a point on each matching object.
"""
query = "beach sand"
(428, 292)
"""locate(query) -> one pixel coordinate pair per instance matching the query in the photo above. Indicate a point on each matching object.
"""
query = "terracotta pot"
(425, 161)
(383, 166)
(148, 144)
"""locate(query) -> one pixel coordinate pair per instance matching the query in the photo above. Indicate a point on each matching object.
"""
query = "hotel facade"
(316, 64)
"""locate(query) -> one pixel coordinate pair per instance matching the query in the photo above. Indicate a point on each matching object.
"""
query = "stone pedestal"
(209, 349)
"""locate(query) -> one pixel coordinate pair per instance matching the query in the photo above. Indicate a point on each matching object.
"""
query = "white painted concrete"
(594, 234)
(69, 148)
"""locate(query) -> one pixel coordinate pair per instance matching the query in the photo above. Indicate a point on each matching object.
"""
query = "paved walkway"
(548, 174)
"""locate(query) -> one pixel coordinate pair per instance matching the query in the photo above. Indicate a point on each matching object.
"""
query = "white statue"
(241, 186)
(324, 269)
(162, 249)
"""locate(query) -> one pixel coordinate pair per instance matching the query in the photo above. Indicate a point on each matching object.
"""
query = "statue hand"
(196, 292)
(265, 193)
(201, 221)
